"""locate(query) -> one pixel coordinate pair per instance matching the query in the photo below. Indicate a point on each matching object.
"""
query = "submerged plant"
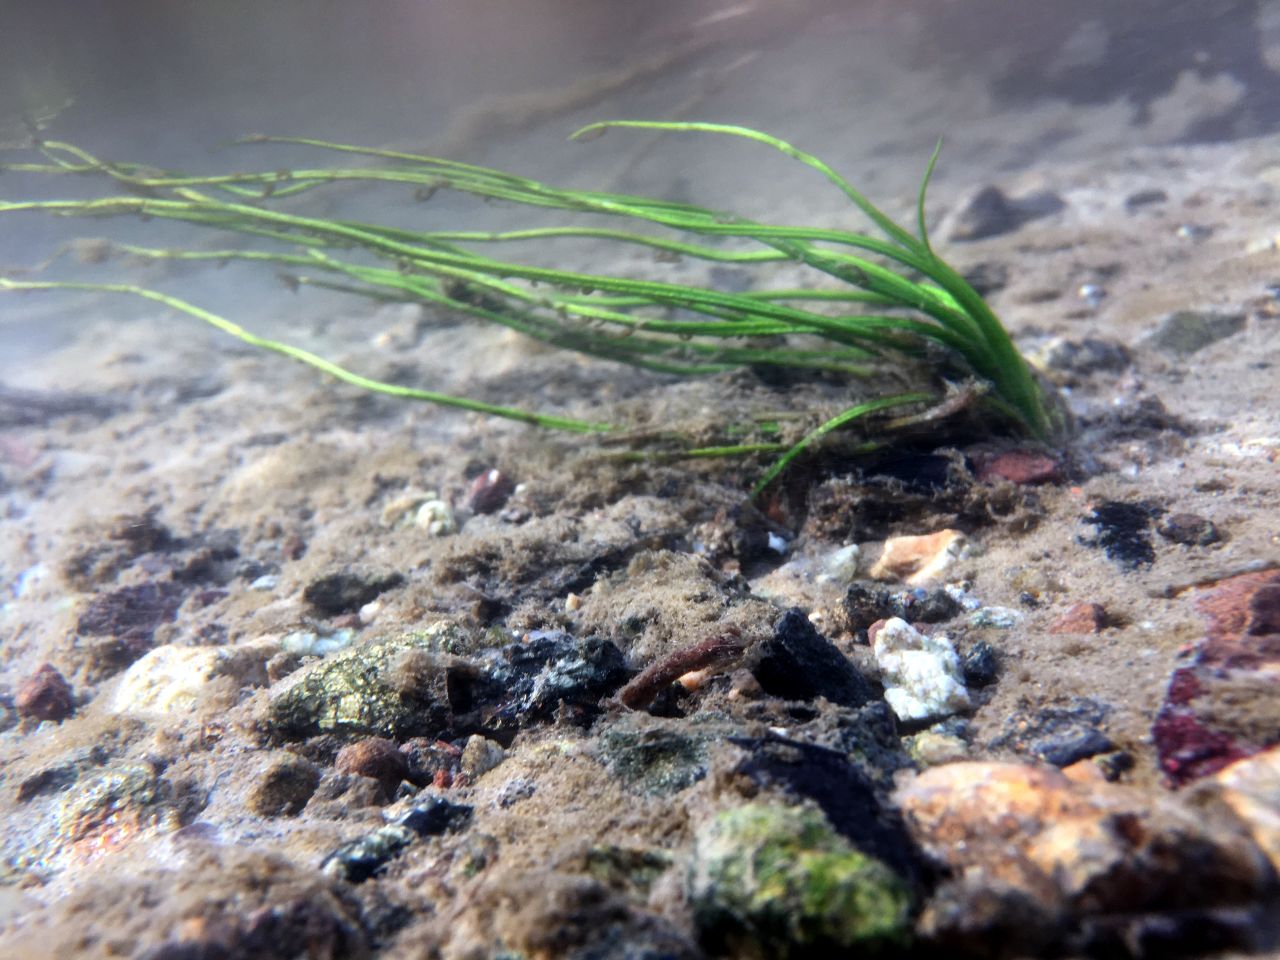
(898, 302)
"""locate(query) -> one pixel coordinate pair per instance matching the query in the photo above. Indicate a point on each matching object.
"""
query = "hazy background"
(867, 84)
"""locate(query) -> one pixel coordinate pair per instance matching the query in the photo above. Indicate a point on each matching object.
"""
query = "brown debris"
(716, 651)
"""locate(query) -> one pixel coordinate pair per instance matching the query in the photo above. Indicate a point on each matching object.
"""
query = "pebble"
(489, 491)
(45, 695)
(174, 681)
(358, 860)
(1145, 198)
(309, 643)
(436, 517)
(991, 212)
(1001, 618)
(981, 665)
(777, 881)
(376, 758)
(1084, 617)
(922, 675)
(1124, 531)
(919, 559)
(283, 788)
(1189, 529)
(842, 565)
(1189, 331)
(480, 755)
(1023, 467)
(1086, 356)
(1251, 788)
(1056, 864)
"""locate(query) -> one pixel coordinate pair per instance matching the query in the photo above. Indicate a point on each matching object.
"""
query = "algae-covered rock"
(774, 881)
(390, 688)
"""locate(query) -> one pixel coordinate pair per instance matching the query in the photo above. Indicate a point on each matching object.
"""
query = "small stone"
(367, 856)
(348, 591)
(981, 665)
(1189, 529)
(284, 787)
(1083, 617)
(776, 881)
(437, 518)
(375, 758)
(922, 675)
(1001, 618)
(929, 748)
(175, 681)
(919, 559)
(435, 816)
(1087, 356)
(1189, 331)
(842, 565)
(1019, 466)
(489, 491)
(45, 695)
(864, 605)
(515, 790)
(480, 755)
(431, 761)
(991, 212)
(1124, 531)
(1058, 735)
(1144, 198)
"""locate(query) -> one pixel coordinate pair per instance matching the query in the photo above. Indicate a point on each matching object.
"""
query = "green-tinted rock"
(391, 688)
(778, 882)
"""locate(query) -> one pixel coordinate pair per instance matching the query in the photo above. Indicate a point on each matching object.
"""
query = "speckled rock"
(769, 881)
(390, 688)
(923, 677)
(1222, 707)
(1084, 861)
(45, 695)
(1083, 617)
(1060, 735)
(366, 856)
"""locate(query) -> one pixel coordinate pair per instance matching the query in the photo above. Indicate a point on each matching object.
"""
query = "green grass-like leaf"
(898, 293)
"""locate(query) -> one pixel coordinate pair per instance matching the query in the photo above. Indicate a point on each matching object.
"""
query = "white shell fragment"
(922, 675)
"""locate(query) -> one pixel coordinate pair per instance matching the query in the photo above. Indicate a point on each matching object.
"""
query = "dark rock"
(1144, 198)
(1083, 617)
(284, 787)
(1114, 765)
(436, 816)
(864, 605)
(1189, 529)
(845, 794)
(798, 663)
(1124, 531)
(981, 665)
(375, 758)
(991, 212)
(347, 592)
(1188, 331)
(1058, 735)
(45, 695)
(358, 860)
(431, 761)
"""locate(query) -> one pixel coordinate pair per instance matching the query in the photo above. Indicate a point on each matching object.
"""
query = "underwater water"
(288, 668)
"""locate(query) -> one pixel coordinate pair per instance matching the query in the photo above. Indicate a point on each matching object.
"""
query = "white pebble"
(922, 675)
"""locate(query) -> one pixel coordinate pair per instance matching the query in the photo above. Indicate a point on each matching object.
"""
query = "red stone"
(1083, 617)
(489, 491)
(45, 695)
(1019, 466)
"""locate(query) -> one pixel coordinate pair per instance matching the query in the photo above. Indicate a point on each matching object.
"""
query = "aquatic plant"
(898, 302)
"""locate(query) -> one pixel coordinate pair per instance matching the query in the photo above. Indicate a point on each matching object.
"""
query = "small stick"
(716, 650)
